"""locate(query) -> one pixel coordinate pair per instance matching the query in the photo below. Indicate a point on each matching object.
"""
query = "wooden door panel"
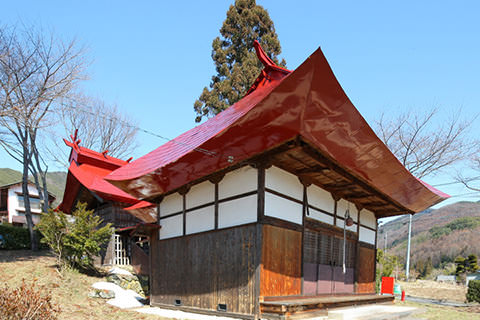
(324, 282)
(310, 278)
(343, 283)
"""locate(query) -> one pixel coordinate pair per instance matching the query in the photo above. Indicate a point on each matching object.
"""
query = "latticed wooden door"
(323, 264)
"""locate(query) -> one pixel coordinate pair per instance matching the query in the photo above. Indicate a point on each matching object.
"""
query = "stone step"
(372, 312)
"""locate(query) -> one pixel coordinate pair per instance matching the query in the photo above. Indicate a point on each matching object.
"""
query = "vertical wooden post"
(305, 204)
(375, 256)
(259, 237)
(184, 215)
(261, 194)
(216, 206)
(355, 274)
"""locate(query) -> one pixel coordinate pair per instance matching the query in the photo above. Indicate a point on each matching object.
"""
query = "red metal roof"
(88, 168)
(308, 102)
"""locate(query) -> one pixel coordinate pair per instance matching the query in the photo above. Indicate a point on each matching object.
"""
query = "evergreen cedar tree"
(236, 63)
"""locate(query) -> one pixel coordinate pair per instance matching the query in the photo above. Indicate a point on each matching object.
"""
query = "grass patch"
(69, 288)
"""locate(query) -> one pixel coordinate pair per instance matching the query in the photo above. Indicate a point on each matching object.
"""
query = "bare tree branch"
(425, 143)
(37, 71)
(100, 127)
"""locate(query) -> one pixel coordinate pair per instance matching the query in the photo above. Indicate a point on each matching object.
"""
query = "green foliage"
(234, 56)
(424, 268)
(465, 265)
(75, 243)
(14, 237)
(386, 263)
(27, 302)
(473, 292)
(457, 224)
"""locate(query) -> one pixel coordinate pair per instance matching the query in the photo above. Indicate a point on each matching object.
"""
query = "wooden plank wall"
(365, 268)
(281, 273)
(207, 269)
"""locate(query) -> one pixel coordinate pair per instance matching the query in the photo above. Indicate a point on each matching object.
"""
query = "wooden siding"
(139, 260)
(281, 262)
(365, 268)
(207, 269)
(106, 254)
(115, 214)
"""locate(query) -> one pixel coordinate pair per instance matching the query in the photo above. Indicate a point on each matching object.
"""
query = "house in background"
(85, 184)
(269, 209)
(12, 207)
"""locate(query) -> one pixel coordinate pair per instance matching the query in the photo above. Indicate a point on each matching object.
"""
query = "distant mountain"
(55, 181)
(441, 234)
(8, 176)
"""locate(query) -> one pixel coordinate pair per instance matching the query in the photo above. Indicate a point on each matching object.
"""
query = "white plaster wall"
(320, 216)
(171, 227)
(237, 212)
(200, 220)
(284, 182)
(171, 204)
(367, 218)
(199, 194)
(284, 209)
(366, 235)
(342, 207)
(237, 182)
(320, 198)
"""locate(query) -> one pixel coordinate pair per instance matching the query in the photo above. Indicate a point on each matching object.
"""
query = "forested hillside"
(55, 181)
(441, 234)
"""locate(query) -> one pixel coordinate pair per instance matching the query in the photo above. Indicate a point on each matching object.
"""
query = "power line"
(454, 182)
(125, 123)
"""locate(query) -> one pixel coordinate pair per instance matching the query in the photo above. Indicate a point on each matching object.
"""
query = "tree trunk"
(26, 199)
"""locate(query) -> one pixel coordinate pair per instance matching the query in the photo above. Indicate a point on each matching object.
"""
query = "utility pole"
(407, 267)
(385, 241)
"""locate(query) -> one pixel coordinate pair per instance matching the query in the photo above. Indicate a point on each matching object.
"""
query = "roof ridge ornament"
(270, 70)
(75, 143)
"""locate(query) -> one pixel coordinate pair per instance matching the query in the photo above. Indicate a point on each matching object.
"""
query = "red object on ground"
(387, 285)
(403, 295)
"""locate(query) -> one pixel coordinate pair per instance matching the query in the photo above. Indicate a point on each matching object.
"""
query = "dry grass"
(434, 312)
(69, 289)
(434, 290)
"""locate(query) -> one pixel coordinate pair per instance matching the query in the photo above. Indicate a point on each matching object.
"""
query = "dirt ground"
(69, 289)
(434, 290)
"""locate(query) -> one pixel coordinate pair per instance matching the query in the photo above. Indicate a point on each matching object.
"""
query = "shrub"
(76, 242)
(473, 293)
(27, 303)
(15, 237)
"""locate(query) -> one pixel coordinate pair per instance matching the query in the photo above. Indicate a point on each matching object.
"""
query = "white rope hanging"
(347, 221)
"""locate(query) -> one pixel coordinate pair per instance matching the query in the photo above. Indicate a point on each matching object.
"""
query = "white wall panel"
(367, 218)
(199, 194)
(282, 208)
(366, 235)
(171, 227)
(171, 204)
(342, 207)
(284, 182)
(320, 198)
(237, 212)
(200, 220)
(237, 182)
(320, 216)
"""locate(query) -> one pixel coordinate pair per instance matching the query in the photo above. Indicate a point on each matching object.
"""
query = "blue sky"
(153, 59)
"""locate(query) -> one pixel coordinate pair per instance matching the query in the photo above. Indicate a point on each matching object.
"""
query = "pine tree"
(234, 56)
(472, 263)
